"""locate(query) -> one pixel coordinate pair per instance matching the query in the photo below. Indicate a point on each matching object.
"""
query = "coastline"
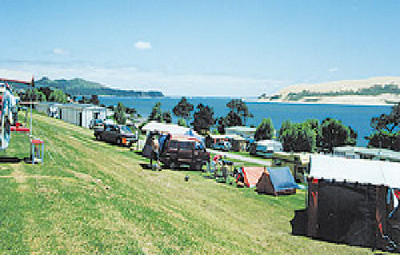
(340, 100)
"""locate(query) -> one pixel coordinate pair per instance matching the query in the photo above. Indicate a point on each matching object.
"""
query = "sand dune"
(341, 85)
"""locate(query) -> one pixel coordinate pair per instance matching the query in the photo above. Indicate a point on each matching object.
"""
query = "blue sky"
(202, 48)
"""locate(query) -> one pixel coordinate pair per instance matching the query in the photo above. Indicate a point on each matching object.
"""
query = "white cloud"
(60, 51)
(333, 69)
(168, 83)
(141, 45)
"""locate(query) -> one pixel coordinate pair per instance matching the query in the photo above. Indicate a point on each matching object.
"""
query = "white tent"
(16, 76)
(165, 128)
(356, 170)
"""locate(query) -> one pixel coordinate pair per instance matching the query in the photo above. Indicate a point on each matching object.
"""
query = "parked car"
(222, 145)
(119, 134)
(183, 151)
(96, 123)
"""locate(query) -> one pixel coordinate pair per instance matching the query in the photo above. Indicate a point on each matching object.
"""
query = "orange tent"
(252, 175)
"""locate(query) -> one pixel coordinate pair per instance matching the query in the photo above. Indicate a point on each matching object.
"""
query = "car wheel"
(98, 137)
(119, 142)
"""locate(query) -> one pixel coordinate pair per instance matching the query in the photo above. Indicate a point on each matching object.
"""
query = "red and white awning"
(16, 76)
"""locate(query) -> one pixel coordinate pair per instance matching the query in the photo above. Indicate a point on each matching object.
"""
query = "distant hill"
(81, 87)
(376, 90)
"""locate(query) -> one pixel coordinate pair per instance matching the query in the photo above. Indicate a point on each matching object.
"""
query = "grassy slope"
(95, 197)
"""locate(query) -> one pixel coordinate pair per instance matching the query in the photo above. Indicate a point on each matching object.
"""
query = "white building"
(78, 114)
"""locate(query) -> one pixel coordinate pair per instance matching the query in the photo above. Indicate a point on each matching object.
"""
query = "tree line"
(386, 130)
(309, 136)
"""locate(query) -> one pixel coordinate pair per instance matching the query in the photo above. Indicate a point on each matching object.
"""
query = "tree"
(182, 123)
(233, 119)
(156, 113)
(119, 114)
(284, 126)
(386, 130)
(46, 91)
(389, 122)
(203, 119)
(264, 131)
(58, 96)
(167, 117)
(298, 137)
(221, 124)
(95, 100)
(183, 109)
(316, 126)
(335, 134)
(240, 108)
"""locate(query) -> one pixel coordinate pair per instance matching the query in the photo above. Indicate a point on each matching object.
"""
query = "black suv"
(119, 134)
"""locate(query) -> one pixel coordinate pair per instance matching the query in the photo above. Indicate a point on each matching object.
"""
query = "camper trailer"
(266, 148)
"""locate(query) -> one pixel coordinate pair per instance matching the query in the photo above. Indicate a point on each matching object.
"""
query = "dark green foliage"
(119, 114)
(389, 122)
(233, 119)
(386, 133)
(183, 109)
(285, 125)
(33, 95)
(182, 122)
(310, 135)
(131, 111)
(384, 139)
(264, 131)
(46, 91)
(58, 96)
(298, 137)
(239, 107)
(82, 87)
(221, 124)
(335, 134)
(316, 126)
(156, 113)
(203, 119)
(95, 100)
(167, 117)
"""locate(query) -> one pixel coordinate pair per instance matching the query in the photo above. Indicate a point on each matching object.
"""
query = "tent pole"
(32, 84)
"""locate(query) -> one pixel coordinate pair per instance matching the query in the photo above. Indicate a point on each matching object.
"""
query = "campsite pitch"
(90, 197)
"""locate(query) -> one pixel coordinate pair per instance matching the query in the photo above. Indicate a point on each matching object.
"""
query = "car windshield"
(125, 129)
(185, 146)
(98, 121)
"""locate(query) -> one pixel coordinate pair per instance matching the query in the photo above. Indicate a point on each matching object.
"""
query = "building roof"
(373, 152)
(356, 170)
(166, 128)
(234, 137)
(241, 129)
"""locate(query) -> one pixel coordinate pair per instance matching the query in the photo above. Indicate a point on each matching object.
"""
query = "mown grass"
(91, 197)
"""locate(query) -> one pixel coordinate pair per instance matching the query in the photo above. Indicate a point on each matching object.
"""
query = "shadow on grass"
(14, 160)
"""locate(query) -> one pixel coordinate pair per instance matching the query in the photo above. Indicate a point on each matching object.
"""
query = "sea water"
(356, 116)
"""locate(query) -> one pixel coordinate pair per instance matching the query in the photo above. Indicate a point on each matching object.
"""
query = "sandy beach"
(384, 99)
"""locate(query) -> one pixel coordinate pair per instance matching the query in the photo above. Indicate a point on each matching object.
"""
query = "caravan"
(266, 148)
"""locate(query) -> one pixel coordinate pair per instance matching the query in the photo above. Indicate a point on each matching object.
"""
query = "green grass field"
(91, 197)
